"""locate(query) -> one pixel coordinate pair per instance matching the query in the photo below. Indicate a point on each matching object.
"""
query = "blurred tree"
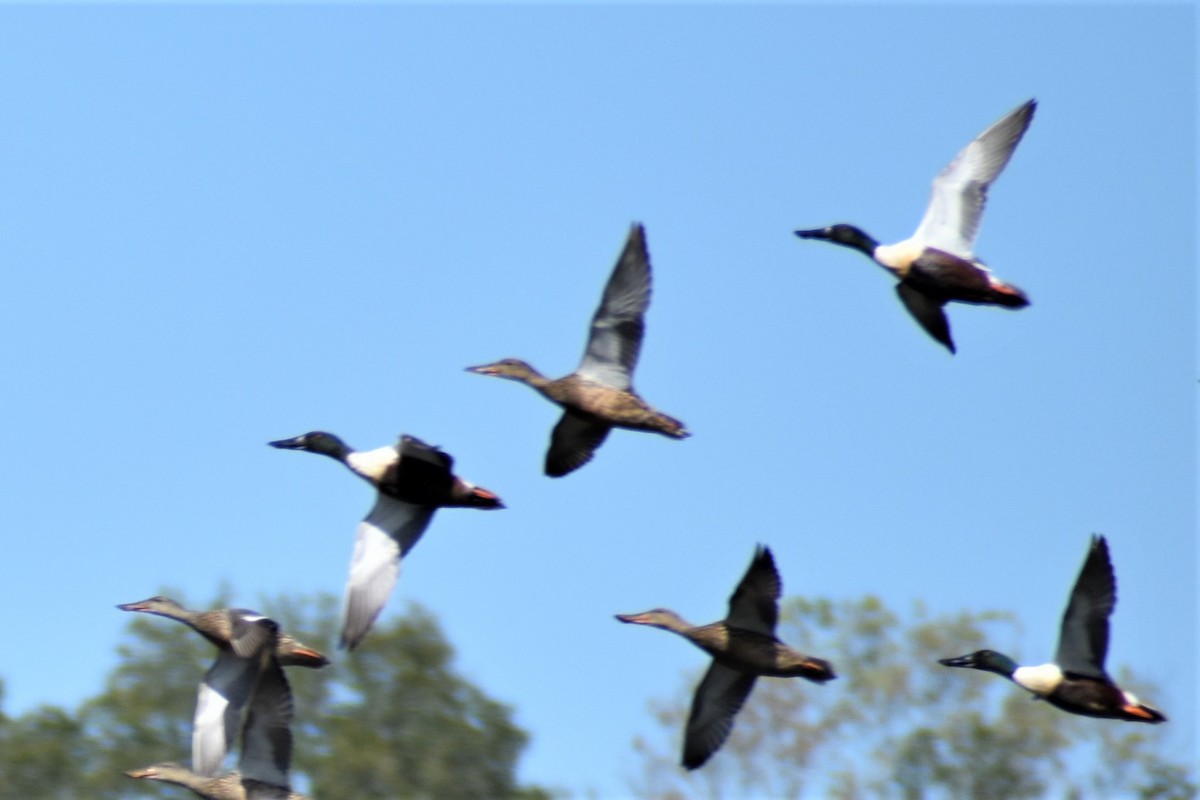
(392, 720)
(896, 725)
(39, 752)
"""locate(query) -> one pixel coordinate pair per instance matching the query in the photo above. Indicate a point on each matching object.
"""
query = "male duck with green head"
(1076, 681)
(412, 480)
(937, 264)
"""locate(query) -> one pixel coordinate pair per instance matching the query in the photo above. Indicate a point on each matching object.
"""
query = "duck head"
(843, 234)
(152, 605)
(157, 772)
(315, 442)
(656, 618)
(512, 368)
(986, 660)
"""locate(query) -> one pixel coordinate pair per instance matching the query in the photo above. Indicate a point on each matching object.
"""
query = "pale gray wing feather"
(718, 699)
(383, 538)
(618, 325)
(754, 604)
(267, 735)
(960, 190)
(247, 636)
(223, 694)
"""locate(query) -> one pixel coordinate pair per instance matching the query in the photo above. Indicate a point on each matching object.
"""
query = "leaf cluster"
(391, 720)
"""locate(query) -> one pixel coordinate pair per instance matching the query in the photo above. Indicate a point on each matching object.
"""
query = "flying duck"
(937, 264)
(266, 754)
(1075, 680)
(743, 647)
(413, 479)
(240, 636)
(598, 396)
(225, 787)
(217, 626)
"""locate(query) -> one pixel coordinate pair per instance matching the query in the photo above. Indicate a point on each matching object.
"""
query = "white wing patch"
(388, 532)
(223, 694)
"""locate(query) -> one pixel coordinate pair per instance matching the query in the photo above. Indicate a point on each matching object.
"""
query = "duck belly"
(947, 277)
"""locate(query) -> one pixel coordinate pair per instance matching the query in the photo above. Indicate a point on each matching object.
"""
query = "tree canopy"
(391, 720)
(897, 725)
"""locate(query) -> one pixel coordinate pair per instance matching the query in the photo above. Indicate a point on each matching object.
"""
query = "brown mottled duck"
(599, 395)
(217, 626)
(266, 754)
(743, 647)
(246, 675)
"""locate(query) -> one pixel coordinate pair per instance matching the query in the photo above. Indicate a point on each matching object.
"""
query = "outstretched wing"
(223, 694)
(572, 443)
(754, 604)
(618, 325)
(928, 312)
(960, 190)
(267, 735)
(718, 699)
(383, 538)
(1083, 640)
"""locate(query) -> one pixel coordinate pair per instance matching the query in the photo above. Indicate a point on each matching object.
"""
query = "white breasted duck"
(598, 396)
(413, 479)
(937, 264)
(743, 647)
(1075, 681)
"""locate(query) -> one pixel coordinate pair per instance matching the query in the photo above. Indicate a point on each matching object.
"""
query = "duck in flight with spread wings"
(266, 753)
(599, 395)
(743, 647)
(1075, 680)
(241, 636)
(937, 264)
(413, 480)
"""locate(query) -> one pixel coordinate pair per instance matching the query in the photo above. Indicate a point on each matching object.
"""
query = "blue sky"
(225, 224)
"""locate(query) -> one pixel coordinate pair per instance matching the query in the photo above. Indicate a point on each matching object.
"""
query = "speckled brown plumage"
(743, 647)
(599, 395)
(225, 787)
(217, 627)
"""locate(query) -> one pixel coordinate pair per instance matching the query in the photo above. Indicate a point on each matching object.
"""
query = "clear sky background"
(224, 225)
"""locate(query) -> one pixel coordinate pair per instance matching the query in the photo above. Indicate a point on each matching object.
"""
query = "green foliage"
(392, 720)
(896, 725)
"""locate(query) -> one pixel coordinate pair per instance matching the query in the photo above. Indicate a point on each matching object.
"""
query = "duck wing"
(223, 694)
(267, 735)
(960, 190)
(383, 538)
(719, 697)
(618, 325)
(423, 474)
(572, 443)
(249, 632)
(928, 312)
(1083, 640)
(754, 604)
(257, 790)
